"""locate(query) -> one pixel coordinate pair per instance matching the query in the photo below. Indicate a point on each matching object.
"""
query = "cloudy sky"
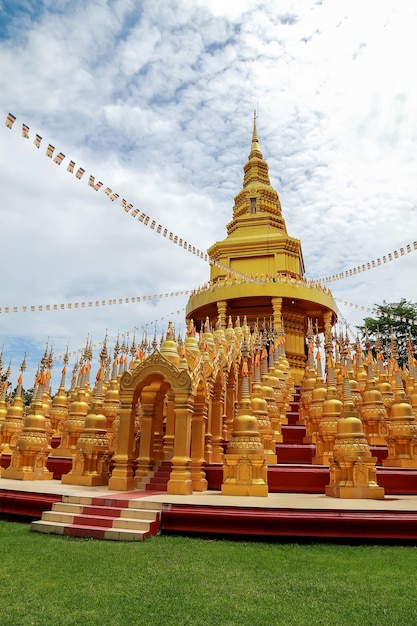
(155, 98)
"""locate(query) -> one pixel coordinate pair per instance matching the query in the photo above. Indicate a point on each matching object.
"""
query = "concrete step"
(160, 478)
(134, 520)
(148, 514)
(134, 512)
(81, 520)
(293, 434)
(95, 532)
(295, 453)
(292, 417)
(154, 485)
(95, 520)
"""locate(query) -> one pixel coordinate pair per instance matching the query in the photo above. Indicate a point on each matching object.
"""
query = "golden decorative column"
(12, 425)
(192, 350)
(352, 469)
(244, 469)
(29, 457)
(111, 408)
(277, 311)
(180, 479)
(309, 380)
(221, 311)
(122, 474)
(281, 373)
(59, 409)
(269, 395)
(260, 410)
(402, 437)
(315, 409)
(3, 407)
(74, 425)
(384, 386)
(332, 410)
(198, 431)
(91, 463)
(373, 412)
(169, 437)
(146, 456)
(217, 406)
(327, 320)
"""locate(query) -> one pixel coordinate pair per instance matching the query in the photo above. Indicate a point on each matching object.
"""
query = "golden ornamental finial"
(255, 130)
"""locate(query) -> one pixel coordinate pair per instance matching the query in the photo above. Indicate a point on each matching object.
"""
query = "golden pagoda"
(258, 270)
(216, 398)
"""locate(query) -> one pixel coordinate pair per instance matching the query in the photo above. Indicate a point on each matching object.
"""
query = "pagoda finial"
(255, 151)
(255, 130)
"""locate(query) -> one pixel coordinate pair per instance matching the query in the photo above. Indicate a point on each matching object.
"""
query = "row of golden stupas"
(360, 403)
(221, 393)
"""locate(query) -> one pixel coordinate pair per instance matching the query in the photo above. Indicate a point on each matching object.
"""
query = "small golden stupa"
(91, 462)
(30, 455)
(327, 428)
(352, 469)
(12, 424)
(244, 468)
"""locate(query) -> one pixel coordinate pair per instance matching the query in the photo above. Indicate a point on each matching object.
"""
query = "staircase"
(101, 518)
(293, 450)
(160, 478)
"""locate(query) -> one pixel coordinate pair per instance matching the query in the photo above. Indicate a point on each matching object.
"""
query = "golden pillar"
(277, 312)
(352, 469)
(230, 405)
(217, 407)
(158, 436)
(208, 437)
(244, 468)
(111, 409)
(169, 436)
(122, 474)
(221, 312)
(180, 479)
(198, 432)
(146, 447)
(327, 320)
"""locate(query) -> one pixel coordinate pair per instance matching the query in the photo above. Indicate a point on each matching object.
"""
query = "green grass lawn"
(172, 581)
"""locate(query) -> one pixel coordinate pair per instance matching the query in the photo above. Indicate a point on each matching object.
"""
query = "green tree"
(3, 379)
(393, 320)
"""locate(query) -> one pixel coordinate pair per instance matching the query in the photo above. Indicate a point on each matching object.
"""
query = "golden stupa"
(220, 395)
(258, 269)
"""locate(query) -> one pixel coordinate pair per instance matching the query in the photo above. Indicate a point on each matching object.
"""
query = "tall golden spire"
(256, 169)
(255, 141)
(257, 202)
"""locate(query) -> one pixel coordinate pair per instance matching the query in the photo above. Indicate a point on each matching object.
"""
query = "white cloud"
(156, 101)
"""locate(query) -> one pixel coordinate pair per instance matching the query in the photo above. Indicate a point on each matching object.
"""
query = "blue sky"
(156, 99)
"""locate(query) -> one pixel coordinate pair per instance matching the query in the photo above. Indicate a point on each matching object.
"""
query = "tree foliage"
(393, 321)
(27, 394)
